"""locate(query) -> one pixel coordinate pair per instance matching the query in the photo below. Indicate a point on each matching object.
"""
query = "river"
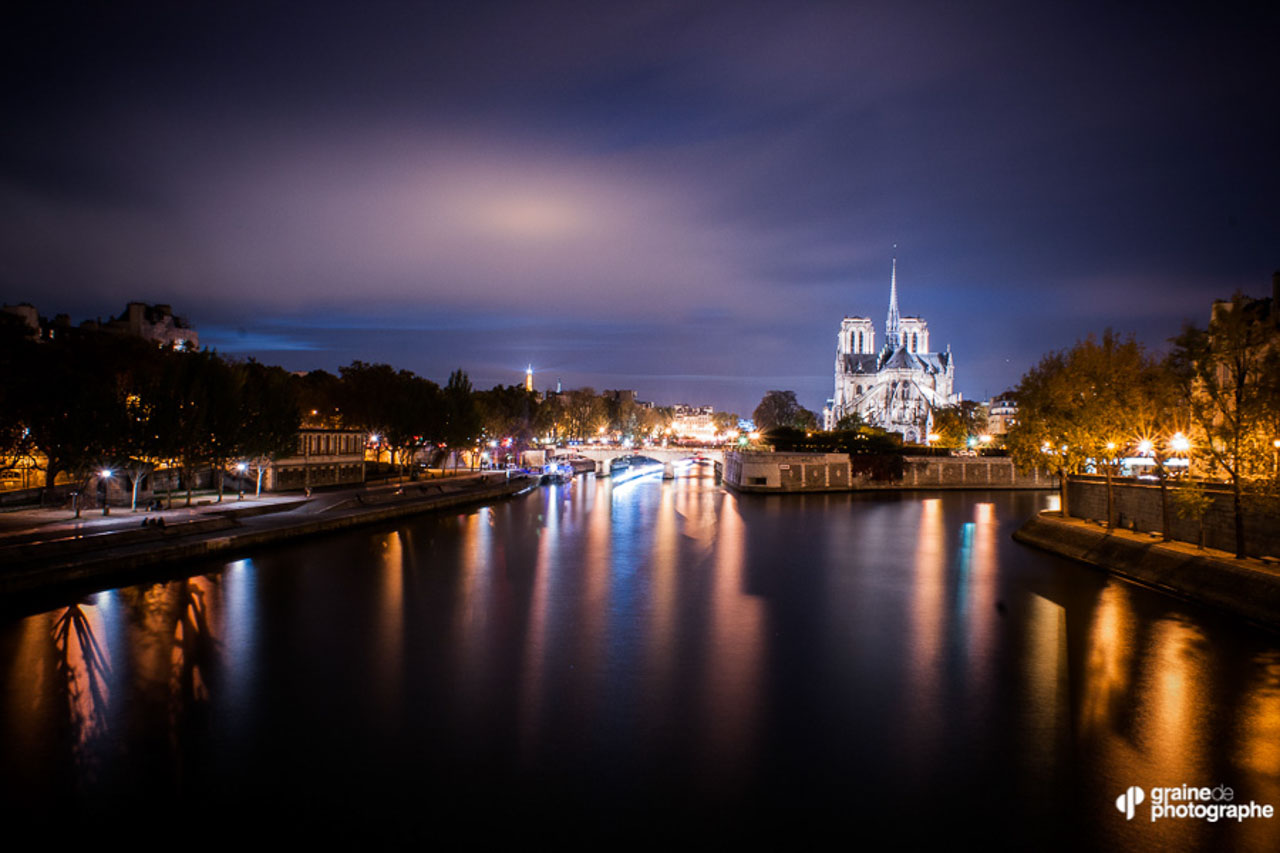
(649, 660)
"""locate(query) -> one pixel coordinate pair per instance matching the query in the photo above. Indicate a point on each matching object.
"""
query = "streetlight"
(241, 468)
(105, 474)
(1181, 446)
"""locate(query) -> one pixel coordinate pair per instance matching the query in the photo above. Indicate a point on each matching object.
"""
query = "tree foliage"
(1076, 402)
(954, 425)
(781, 409)
(585, 413)
(1229, 379)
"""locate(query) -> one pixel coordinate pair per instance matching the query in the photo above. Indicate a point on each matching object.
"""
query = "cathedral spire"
(892, 327)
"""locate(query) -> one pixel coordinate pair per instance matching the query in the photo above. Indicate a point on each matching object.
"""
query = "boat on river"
(556, 473)
(630, 467)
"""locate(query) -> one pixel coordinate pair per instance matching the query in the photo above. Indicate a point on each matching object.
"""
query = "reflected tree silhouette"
(196, 654)
(83, 672)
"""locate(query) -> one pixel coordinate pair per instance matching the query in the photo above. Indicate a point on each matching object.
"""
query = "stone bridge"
(668, 456)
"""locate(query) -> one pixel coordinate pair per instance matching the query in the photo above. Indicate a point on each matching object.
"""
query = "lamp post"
(1181, 446)
(105, 475)
(1111, 455)
(241, 468)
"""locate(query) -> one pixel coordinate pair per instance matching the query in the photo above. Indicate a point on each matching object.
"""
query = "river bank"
(1249, 588)
(41, 559)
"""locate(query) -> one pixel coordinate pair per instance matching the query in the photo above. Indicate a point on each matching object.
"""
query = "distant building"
(1002, 413)
(897, 386)
(156, 323)
(322, 457)
(26, 312)
(693, 422)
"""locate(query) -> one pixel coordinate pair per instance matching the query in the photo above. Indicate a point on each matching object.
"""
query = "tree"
(271, 415)
(320, 398)
(415, 416)
(654, 422)
(724, 422)
(1229, 379)
(18, 351)
(508, 412)
(849, 422)
(584, 413)
(366, 395)
(461, 415)
(1078, 406)
(954, 425)
(622, 415)
(143, 397)
(75, 404)
(781, 409)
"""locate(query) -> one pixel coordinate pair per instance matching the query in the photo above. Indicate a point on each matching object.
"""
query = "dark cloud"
(686, 197)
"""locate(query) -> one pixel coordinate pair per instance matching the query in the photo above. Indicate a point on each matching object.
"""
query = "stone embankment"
(784, 473)
(1249, 588)
(34, 560)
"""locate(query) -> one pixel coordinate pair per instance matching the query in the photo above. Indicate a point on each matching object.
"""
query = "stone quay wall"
(1138, 507)
(1249, 588)
(785, 473)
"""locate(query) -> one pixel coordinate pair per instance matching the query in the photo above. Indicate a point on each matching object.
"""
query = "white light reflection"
(240, 633)
(736, 647)
(925, 636)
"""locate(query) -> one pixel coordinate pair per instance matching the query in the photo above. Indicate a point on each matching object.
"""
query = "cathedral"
(896, 387)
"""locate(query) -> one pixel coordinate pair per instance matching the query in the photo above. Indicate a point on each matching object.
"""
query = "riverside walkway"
(42, 548)
(1248, 587)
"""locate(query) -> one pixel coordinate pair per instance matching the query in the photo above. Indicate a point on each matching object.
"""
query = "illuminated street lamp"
(241, 468)
(1106, 469)
(105, 474)
(1181, 446)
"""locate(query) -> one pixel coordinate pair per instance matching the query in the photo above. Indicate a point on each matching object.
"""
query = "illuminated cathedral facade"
(896, 386)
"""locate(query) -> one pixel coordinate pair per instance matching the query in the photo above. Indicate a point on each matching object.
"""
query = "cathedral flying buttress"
(897, 386)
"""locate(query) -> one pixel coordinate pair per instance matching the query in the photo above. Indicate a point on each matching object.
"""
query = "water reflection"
(734, 655)
(107, 683)
(828, 655)
(82, 672)
(926, 633)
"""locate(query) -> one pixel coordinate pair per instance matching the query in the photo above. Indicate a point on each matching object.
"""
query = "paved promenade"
(1247, 587)
(43, 548)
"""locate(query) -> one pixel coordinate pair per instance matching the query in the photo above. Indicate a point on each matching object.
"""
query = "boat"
(626, 468)
(556, 473)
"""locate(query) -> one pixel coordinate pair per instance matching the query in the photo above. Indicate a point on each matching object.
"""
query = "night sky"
(680, 198)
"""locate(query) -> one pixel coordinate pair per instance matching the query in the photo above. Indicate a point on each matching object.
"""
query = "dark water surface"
(643, 660)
